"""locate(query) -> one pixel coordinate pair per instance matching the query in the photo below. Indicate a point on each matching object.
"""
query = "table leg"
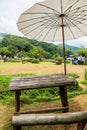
(64, 98)
(17, 100)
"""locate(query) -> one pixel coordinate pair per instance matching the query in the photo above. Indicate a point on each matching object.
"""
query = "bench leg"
(81, 126)
(17, 128)
(63, 96)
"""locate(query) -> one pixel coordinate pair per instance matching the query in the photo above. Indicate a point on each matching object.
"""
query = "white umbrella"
(55, 20)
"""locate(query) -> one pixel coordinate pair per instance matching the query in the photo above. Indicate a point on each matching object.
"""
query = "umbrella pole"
(63, 38)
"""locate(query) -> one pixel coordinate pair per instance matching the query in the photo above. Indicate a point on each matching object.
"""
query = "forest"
(12, 46)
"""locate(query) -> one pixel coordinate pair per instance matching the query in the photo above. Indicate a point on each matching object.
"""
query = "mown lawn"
(40, 69)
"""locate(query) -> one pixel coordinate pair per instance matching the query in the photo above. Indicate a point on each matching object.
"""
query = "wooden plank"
(49, 119)
(22, 83)
(42, 110)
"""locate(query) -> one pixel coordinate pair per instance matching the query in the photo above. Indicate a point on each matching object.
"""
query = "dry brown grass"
(41, 69)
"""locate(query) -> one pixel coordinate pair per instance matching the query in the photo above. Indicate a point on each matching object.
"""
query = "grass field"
(79, 103)
(40, 69)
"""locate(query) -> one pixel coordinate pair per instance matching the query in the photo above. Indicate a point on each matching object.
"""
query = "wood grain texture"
(49, 119)
(36, 82)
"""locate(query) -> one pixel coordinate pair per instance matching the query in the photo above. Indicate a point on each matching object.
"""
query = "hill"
(73, 48)
(12, 45)
(2, 35)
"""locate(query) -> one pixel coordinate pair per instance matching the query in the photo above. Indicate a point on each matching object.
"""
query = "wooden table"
(36, 82)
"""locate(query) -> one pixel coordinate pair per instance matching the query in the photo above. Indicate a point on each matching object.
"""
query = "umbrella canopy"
(55, 20)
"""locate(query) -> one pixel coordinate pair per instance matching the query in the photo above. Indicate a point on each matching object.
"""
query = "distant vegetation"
(12, 45)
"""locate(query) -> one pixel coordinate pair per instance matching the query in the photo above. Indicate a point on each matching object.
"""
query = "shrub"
(58, 60)
(75, 86)
(68, 61)
(36, 61)
(13, 60)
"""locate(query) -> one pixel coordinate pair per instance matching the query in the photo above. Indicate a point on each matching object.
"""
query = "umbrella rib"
(61, 7)
(79, 22)
(28, 26)
(55, 34)
(73, 14)
(34, 24)
(78, 13)
(78, 8)
(77, 19)
(35, 28)
(71, 30)
(80, 18)
(41, 30)
(48, 7)
(48, 31)
(31, 19)
(51, 17)
(77, 27)
(35, 13)
(68, 12)
(32, 30)
(71, 6)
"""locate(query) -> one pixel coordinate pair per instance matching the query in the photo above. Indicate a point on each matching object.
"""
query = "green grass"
(32, 96)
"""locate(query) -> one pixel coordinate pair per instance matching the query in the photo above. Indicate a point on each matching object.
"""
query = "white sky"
(10, 11)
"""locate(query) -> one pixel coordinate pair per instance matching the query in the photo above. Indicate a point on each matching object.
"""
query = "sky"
(10, 10)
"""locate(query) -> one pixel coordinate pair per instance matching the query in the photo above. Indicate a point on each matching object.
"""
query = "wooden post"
(63, 96)
(17, 107)
(81, 126)
(17, 101)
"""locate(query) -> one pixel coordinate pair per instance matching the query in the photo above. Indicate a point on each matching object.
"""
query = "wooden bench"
(50, 119)
(37, 82)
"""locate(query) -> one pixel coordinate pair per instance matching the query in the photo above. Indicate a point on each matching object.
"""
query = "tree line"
(12, 45)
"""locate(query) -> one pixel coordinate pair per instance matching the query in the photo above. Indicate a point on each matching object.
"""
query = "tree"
(4, 51)
(13, 50)
(38, 53)
(82, 52)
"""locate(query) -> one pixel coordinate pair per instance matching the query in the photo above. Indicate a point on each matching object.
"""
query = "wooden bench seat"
(50, 119)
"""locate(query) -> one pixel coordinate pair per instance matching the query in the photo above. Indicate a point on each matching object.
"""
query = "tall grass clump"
(84, 82)
(85, 74)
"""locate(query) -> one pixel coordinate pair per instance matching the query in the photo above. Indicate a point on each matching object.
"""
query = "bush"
(75, 86)
(36, 61)
(58, 60)
(13, 60)
(68, 61)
